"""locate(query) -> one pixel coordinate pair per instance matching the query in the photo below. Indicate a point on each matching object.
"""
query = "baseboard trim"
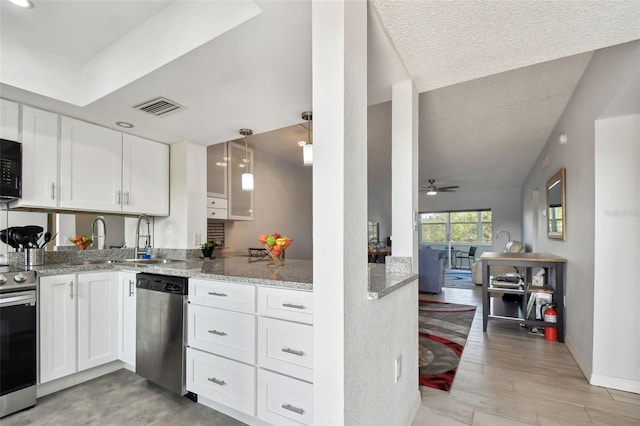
(615, 383)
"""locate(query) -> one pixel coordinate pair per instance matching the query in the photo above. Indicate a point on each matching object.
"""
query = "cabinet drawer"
(226, 333)
(217, 213)
(228, 382)
(283, 400)
(220, 294)
(217, 203)
(286, 347)
(287, 304)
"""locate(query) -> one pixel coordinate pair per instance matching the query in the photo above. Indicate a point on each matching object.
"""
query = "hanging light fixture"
(307, 148)
(247, 177)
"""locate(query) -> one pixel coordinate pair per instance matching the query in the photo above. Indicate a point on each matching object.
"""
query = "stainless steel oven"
(10, 170)
(18, 341)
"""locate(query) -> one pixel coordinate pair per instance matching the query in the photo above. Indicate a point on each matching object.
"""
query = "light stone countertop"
(295, 274)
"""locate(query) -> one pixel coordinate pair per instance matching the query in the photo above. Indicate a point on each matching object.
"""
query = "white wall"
(187, 199)
(609, 73)
(353, 379)
(616, 350)
(282, 202)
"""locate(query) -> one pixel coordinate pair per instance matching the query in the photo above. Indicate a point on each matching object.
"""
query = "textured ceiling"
(447, 42)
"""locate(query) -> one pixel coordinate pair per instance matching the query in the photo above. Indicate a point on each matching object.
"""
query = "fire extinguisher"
(550, 316)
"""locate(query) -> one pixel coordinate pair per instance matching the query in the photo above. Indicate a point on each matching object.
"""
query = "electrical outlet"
(397, 365)
(197, 239)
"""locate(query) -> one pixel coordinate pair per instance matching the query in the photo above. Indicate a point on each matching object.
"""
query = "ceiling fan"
(433, 190)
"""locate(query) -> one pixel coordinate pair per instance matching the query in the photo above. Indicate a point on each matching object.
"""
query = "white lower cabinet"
(58, 336)
(225, 381)
(230, 346)
(127, 319)
(283, 400)
(78, 323)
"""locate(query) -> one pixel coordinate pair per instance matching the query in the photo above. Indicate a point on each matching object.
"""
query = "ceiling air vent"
(159, 107)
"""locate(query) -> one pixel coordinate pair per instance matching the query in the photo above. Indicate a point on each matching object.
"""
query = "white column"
(339, 55)
(404, 171)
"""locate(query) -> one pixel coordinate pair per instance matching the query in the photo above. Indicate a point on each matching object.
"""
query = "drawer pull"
(291, 305)
(219, 333)
(216, 381)
(292, 408)
(213, 293)
(292, 351)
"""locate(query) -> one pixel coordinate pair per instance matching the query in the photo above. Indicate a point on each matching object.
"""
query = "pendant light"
(247, 177)
(307, 149)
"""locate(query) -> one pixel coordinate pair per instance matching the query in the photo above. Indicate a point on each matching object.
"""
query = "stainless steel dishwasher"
(161, 312)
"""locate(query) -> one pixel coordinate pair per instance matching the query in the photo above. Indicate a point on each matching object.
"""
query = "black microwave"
(10, 170)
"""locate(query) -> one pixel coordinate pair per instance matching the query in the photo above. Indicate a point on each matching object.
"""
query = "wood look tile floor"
(508, 376)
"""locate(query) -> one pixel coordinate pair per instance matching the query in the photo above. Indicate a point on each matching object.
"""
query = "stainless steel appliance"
(161, 309)
(10, 170)
(18, 347)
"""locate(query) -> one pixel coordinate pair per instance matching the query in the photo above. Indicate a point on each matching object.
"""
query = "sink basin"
(145, 261)
(89, 262)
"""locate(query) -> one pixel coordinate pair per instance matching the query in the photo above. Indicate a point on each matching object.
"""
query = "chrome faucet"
(147, 243)
(93, 231)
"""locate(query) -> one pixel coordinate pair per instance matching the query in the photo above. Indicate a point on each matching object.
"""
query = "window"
(473, 227)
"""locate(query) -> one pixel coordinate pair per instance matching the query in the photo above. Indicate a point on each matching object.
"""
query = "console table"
(554, 276)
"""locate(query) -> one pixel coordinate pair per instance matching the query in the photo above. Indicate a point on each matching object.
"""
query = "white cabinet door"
(39, 158)
(145, 175)
(127, 318)
(57, 303)
(97, 319)
(9, 120)
(90, 167)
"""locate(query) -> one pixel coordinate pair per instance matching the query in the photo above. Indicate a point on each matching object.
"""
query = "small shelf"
(513, 308)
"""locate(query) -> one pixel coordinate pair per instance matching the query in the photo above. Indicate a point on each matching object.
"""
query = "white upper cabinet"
(145, 176)
(39, 158)
(9, 120)
(90, 167)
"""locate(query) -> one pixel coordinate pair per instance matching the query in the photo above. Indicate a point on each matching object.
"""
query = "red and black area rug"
(443, 329)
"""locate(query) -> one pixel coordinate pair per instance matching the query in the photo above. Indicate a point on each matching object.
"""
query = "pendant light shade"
(247, 177)
(307, 154)
(247, 182)
(307, 149)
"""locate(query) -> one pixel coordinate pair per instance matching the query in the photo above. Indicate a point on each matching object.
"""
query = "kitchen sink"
(146, 261)
(89, 262)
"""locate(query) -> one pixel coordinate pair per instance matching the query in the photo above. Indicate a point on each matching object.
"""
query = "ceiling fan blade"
(448, 188)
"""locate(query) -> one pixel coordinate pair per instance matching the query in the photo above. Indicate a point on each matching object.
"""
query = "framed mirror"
(556, 206)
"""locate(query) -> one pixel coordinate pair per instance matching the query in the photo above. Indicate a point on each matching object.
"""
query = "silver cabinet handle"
(53, 190)
(291, 305)
(130, 288)
(126, 198)
(118, 197)
(216, 381)
(292, 351)
(71, 290)
(292, 408)
(213, 293)
(218, 333)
